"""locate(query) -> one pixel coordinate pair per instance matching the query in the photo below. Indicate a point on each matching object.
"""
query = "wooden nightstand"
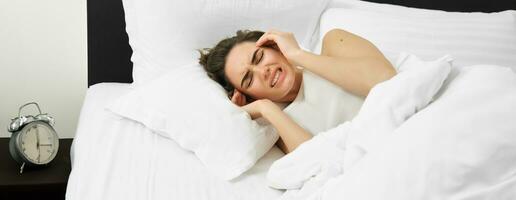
(47, 183)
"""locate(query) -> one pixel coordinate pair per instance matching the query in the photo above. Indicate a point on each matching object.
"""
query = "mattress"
(116, 158)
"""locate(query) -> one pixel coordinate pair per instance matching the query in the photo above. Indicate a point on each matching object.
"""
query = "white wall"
(43, 58)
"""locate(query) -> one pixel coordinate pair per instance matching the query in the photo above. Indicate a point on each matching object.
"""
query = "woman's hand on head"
(283, 41)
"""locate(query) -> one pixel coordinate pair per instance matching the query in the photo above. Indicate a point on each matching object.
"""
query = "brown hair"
(213, 59)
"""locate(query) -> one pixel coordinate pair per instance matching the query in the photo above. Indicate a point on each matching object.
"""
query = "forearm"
(291, 134)
(354, 74)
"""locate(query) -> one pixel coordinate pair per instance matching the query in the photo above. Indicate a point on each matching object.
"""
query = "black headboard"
(456, 5)
(109, 52)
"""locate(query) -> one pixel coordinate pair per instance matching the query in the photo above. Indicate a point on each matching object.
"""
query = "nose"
(262, 70)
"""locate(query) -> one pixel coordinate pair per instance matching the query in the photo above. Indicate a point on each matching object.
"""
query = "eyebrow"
(253, 59)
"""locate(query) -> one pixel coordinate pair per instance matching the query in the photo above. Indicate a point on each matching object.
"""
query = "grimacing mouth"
(275, 75)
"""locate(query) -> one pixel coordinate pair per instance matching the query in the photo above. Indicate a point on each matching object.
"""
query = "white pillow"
(165, 34)
(471, 38)
(188, 107)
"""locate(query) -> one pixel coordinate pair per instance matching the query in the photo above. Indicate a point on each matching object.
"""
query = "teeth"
(276, 77)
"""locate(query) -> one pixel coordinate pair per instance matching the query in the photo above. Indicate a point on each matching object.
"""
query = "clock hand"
(37, 143)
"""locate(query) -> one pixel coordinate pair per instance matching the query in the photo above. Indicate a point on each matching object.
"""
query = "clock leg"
(21, 168)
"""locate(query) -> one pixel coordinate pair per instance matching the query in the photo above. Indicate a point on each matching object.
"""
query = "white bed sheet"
(116, 158)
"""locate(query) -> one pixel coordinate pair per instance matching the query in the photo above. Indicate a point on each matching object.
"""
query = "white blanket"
(425, 134)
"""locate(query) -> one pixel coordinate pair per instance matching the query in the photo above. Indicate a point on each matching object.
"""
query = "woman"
(260, 70)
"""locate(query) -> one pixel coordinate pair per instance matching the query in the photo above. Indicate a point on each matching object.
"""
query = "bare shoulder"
(342, 43)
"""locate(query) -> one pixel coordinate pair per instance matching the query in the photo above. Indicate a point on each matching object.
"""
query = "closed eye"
(247, 80)
(249, 74)
(261, 57)
(250, 77)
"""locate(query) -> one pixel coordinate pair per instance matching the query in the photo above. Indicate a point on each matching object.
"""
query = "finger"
(234, 100)
(270, 44)
(266, 42)
(238, 98)
(267, 37)
(235, 96)
(243, 101)
(274, 46)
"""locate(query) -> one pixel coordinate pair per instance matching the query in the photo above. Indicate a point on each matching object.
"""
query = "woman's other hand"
(255, 108)
(291, 134)
(238, 98)
(283, 41)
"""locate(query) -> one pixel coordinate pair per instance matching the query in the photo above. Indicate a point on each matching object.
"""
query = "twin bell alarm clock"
(34, 142)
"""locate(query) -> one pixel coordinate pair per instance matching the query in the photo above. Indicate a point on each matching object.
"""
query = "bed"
(117, 158)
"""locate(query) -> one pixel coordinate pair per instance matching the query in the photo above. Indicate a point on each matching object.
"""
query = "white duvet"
(431, 132)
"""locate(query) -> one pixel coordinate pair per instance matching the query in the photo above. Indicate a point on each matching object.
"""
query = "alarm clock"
(34, 142)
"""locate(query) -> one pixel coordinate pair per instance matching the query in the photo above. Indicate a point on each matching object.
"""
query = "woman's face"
(261, 72)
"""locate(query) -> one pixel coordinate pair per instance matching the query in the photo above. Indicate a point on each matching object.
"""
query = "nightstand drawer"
(49, 181)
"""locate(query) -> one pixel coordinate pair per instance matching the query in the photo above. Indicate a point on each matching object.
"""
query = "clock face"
(38, 142)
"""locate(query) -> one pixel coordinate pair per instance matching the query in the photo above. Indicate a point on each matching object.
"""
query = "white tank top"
(321, 105)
